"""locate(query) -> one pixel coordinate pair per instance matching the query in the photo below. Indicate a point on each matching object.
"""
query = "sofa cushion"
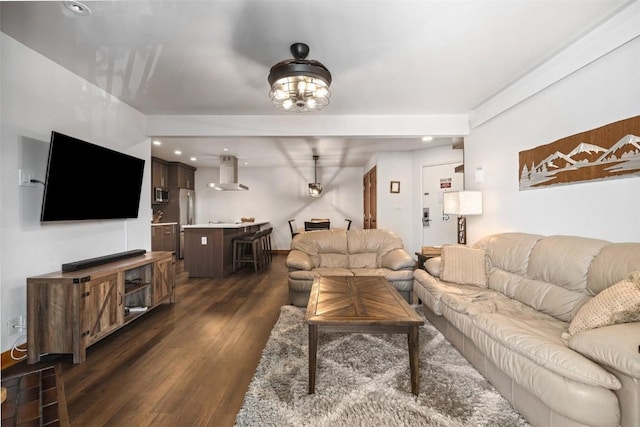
(433, 266)
(619, 303)
(431, 290)
(509, 251)
(464, 265)
(309, 275)
(332, 260)
(376, 241)
(556, 276)
(326, 248)
(546, 297)
(363, 260)
(564, 260)
(402, 280)
(612, 264)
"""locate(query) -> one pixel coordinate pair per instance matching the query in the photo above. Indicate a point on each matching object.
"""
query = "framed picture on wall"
(395, 186)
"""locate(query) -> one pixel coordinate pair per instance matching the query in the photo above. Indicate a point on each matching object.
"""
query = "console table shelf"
(69, 311)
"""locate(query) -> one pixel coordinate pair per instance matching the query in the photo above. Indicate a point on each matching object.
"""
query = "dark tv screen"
(85, 181)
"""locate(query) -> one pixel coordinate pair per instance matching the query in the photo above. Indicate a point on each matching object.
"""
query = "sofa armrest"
(616, 346)
(398, 259)
(299, 260)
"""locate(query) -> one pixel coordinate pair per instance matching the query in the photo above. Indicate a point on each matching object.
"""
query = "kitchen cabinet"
(159, 173)
(208, 248)
(69, 311)
(181, 176)
(164, 237)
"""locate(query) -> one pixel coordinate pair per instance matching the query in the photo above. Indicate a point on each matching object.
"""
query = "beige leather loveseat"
(347, 253)
(538, 317)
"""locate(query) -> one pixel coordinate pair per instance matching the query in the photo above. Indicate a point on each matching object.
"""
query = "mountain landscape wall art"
(608, 152)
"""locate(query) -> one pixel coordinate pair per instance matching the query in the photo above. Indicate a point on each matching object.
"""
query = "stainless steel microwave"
(160, 195)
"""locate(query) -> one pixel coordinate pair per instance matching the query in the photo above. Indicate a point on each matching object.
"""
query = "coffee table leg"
(413, 359)
(313, 347)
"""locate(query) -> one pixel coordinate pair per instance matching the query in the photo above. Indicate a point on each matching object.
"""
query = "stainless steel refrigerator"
(186, 213)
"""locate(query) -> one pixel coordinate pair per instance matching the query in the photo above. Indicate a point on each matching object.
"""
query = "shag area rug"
(363, 380)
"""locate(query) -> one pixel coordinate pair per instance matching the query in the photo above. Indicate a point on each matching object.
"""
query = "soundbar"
(93, 262)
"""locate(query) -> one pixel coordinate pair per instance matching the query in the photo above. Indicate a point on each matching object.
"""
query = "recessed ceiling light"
(193, 159)
(225, 149)
(177, 152)
(427, 138)
(246, 163)
(157, 143)
(77, 8)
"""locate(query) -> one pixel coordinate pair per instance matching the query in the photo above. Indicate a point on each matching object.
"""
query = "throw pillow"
(464, 265)
(433, 266)
(619, 303)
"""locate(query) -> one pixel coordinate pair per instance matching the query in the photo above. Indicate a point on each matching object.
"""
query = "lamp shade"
(463, 202)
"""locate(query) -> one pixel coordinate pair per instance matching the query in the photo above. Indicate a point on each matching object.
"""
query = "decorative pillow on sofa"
(619, 303)
(464, 265)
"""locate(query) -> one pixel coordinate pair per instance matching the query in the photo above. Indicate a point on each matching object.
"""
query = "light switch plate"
(203, 240)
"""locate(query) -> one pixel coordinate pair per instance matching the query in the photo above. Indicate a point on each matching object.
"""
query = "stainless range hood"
(228, 175)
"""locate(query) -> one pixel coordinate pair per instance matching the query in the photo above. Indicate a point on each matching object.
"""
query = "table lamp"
(462, 203)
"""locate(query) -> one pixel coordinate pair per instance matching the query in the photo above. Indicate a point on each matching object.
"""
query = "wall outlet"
(16, 325)
(25, 177)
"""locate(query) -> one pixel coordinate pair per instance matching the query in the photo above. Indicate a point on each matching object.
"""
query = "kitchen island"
(208, 248)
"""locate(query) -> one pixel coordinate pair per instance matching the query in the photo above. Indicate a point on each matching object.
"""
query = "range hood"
(228, 175)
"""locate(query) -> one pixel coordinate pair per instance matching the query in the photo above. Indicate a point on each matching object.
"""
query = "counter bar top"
(226, 224)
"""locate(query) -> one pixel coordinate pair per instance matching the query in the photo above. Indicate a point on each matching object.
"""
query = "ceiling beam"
(615, 32)
(308, 125)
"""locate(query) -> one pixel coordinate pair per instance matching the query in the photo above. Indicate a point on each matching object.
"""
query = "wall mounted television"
(85, 181)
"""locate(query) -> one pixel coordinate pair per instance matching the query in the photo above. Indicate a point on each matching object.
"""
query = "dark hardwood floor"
(186, 364)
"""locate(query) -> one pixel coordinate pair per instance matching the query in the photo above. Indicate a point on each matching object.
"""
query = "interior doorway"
(438, 228)
(370, 187)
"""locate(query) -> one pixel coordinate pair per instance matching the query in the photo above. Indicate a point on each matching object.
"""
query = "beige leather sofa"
(516, 330)
(347, 253)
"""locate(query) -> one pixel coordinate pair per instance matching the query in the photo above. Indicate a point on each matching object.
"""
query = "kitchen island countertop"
(226, 224)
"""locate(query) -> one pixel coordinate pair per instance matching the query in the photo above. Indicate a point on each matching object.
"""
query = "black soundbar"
(92, 262)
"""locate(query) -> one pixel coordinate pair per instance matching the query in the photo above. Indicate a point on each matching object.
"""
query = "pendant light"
(315, 189)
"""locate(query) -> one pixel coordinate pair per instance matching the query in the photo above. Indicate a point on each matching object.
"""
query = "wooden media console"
(69, 311)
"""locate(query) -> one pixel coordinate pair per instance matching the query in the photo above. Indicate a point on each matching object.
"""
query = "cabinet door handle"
(121, 298)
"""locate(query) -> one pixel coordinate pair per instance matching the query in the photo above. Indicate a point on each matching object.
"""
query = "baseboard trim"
(281, 251)
(7, 360)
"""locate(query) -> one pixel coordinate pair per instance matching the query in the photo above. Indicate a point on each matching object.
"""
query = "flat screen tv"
(85, 181)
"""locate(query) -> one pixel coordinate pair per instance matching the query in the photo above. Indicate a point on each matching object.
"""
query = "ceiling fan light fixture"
(299, 84)
(77, 8)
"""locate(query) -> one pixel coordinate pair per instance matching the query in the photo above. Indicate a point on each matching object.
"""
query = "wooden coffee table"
(360, 304)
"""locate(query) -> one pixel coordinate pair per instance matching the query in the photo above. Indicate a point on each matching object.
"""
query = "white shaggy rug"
(363, 380)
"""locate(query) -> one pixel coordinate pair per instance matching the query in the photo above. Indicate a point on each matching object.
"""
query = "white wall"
(605, 91)
(428, 157)
(39, 96)
(280, 194)
(402, 212)
(394, 210)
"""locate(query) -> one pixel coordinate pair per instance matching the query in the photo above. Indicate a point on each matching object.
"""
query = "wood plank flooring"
(187, 364)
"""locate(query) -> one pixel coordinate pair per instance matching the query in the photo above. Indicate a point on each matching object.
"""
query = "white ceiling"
(387, 57)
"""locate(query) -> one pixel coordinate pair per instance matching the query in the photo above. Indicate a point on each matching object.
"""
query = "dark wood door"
(369, 184)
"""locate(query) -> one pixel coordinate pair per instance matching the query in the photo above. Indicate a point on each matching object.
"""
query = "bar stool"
(247, 249)
(266, 246)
